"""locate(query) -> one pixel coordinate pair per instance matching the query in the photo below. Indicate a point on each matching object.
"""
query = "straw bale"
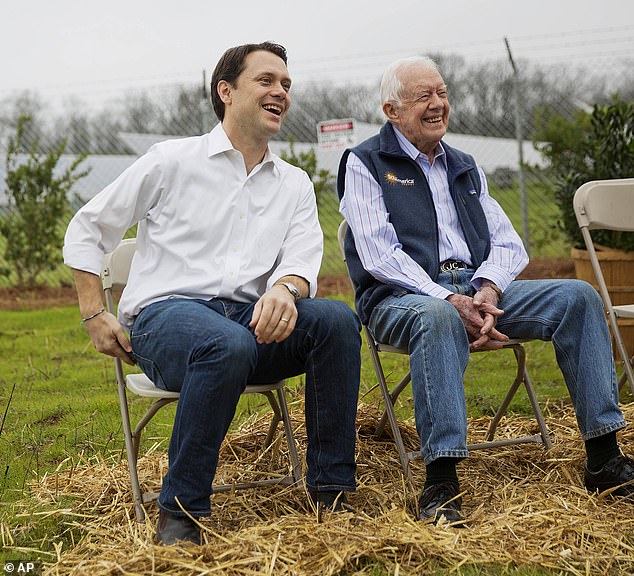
(525, 507)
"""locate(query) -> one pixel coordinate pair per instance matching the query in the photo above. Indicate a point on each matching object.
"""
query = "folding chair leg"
(132, 441)
(521, 378)
(380, 427)
(520, 356)
(152, 410)
(628, 374)
(530, 391)
(275, 420)
(391, 414)
(296, 469)
(131, 452)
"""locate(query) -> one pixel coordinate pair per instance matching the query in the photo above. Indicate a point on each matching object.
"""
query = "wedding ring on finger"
(283, 319)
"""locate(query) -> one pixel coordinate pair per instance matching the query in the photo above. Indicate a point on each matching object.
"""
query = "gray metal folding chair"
(608, 205)
(390, 397)
(116, 268)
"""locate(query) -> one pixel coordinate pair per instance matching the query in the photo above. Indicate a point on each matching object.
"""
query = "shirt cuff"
(500, 277)
(305, 274)
(85, 257)
(435, 290)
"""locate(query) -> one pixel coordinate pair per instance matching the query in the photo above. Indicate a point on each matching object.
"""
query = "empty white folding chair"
(608, 205)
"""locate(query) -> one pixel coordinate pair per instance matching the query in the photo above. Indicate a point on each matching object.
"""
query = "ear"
(224, 90)
(390, 109)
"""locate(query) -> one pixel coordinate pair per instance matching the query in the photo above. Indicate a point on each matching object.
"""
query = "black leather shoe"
(172, 529)
(330, 500)
(440, 500)
(616, 473)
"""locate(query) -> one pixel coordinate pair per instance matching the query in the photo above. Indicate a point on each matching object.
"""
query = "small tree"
(37, 203)
(323, 180)
(596, 146)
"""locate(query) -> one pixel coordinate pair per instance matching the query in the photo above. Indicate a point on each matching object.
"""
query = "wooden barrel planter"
(618, 271)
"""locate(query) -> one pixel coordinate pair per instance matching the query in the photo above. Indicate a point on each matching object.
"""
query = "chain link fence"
(495, 111)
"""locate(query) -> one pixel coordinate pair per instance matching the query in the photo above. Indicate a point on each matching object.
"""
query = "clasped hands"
(479, 315)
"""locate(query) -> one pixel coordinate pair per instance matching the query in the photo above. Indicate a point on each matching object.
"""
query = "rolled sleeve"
(98, 227)
(83, 256)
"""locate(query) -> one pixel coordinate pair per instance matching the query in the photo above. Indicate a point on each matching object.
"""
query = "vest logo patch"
(394, 179)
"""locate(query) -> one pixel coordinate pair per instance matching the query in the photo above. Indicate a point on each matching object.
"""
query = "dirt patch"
(37, 297)
(536, 269)
(48, 296)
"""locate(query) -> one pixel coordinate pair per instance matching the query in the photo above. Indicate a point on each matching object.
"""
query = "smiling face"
(257, 102)
(422, 114)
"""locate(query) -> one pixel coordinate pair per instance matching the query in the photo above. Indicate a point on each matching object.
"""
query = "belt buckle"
(450, 265)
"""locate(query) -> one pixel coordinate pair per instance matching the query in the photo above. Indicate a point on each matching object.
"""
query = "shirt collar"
(218, 143)
(414, 153)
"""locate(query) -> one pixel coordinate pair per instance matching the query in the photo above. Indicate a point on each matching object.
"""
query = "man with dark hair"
(231, 65)
(432, 257)
(220, 293)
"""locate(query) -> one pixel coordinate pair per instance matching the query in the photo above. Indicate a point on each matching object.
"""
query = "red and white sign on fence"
(336, 134)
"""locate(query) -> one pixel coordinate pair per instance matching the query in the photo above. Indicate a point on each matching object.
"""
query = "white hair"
(391, 85)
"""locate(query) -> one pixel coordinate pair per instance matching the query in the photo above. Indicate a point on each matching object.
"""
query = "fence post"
(520, 144)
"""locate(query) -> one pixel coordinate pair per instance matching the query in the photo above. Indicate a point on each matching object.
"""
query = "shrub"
(323, 180)
(37, 204)
(596, 146)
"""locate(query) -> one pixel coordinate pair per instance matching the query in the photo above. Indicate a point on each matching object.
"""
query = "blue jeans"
(206, 350)
(568, 312)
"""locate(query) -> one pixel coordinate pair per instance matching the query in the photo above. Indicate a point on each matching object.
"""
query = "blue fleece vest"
(410, 205)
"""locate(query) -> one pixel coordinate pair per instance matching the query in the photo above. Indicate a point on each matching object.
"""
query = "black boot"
(171, 529)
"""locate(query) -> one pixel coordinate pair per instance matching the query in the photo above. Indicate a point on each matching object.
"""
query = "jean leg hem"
(459, 453)
(332, 487)
(179, 512)
(604, 430)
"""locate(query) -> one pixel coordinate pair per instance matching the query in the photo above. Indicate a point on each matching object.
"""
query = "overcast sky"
(66, 46)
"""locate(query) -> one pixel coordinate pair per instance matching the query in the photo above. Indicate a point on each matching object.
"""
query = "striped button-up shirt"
(377, 243)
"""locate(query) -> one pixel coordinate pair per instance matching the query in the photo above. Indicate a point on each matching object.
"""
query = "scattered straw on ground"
(525, 507)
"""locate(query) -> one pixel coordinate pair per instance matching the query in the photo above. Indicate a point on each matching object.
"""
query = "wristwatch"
(295, 293)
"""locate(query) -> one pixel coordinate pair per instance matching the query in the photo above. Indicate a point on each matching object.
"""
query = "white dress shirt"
(380, 251)
(205, 228)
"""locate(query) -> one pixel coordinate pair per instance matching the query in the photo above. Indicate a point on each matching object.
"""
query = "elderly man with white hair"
(434, 259)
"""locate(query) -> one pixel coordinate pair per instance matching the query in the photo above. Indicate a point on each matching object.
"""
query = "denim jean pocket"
(151, 370)
(149, 366)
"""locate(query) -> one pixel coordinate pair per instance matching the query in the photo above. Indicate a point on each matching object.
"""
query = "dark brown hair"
(231, 65)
